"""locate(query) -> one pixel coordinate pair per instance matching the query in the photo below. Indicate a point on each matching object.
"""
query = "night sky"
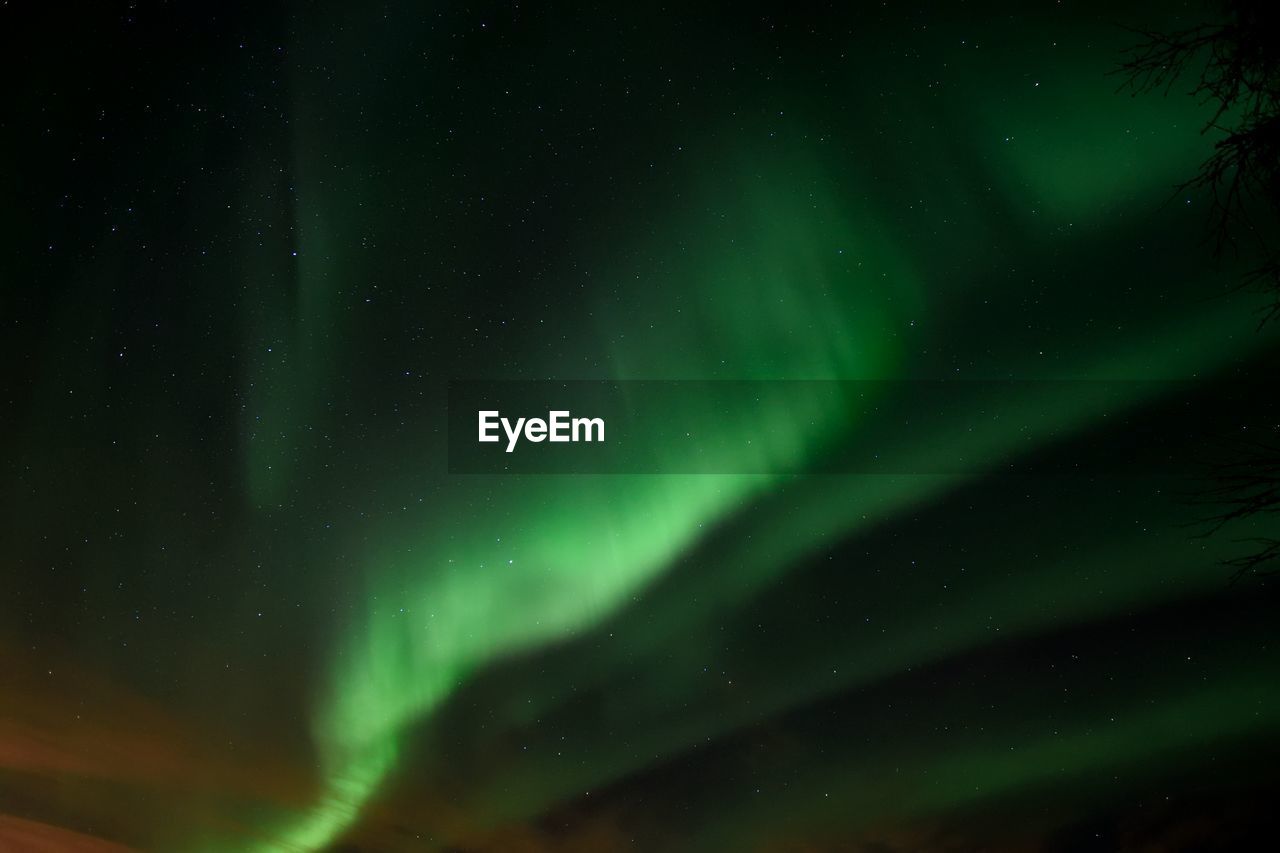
(246, 606)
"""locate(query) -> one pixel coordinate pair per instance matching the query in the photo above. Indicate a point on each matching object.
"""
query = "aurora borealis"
(248, 607)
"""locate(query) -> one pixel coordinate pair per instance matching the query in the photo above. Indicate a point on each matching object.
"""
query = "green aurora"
(453, 662)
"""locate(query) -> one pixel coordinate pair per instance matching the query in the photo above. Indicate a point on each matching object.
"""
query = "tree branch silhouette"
(1233, 65)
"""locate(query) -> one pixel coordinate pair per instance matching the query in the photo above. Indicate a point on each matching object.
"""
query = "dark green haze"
(248, 608)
